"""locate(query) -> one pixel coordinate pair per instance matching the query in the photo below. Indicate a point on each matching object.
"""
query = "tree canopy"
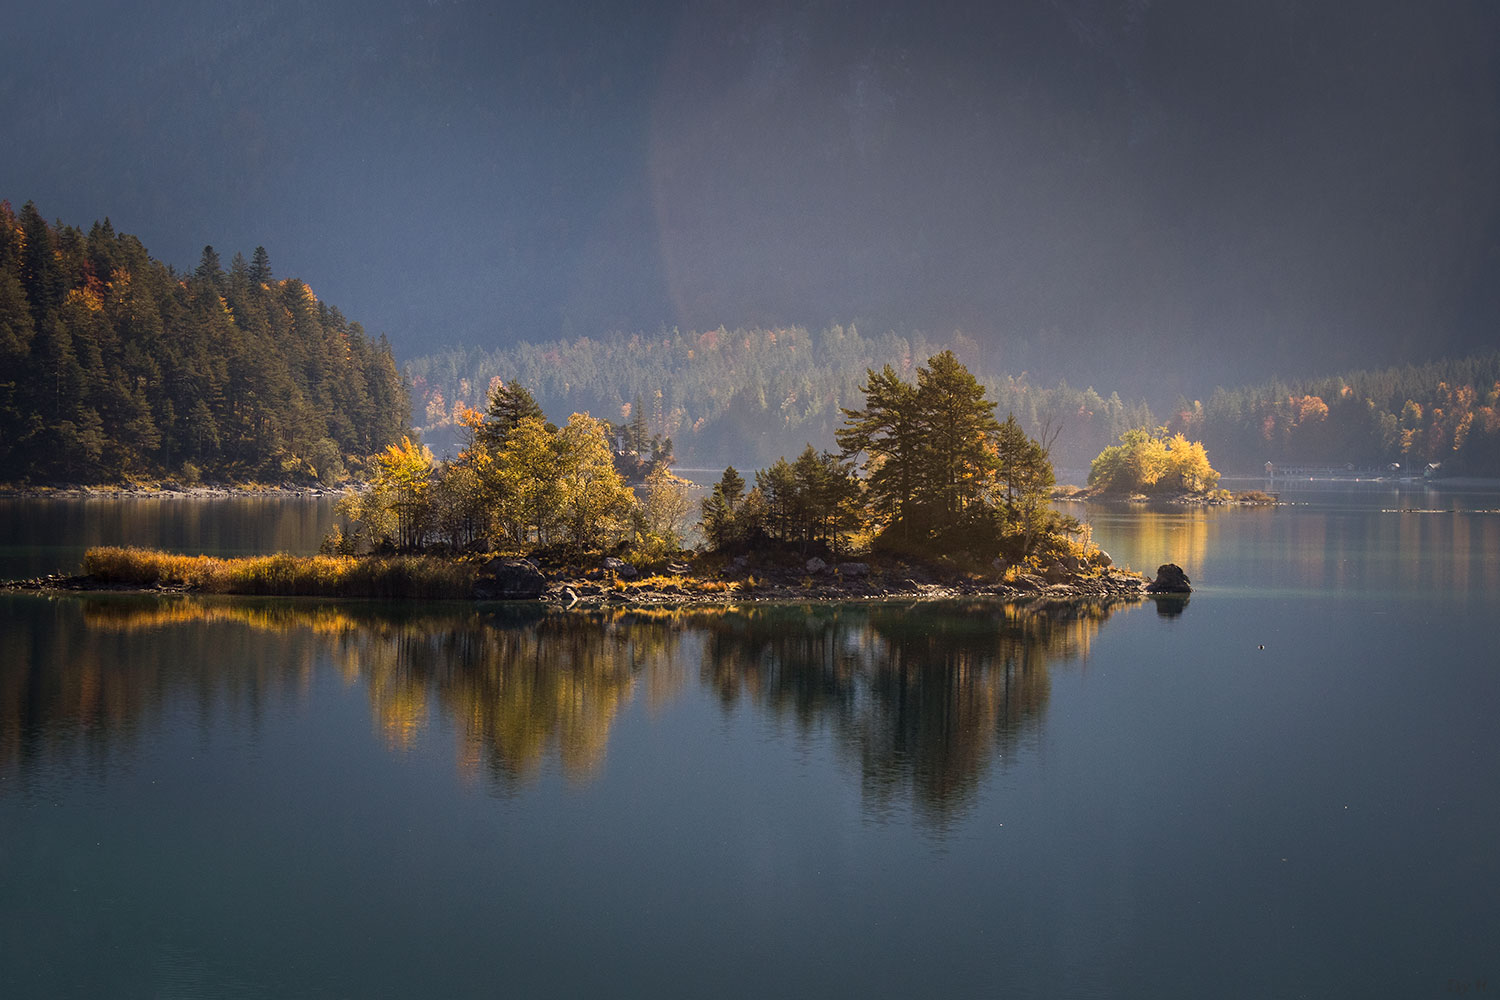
(941, 476)
(1444, 413)
(1147, 462)
(114, 365)
(520, 482)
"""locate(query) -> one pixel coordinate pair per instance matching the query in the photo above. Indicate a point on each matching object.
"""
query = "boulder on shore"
(621, 568)
(509, 580)
(1170, 579)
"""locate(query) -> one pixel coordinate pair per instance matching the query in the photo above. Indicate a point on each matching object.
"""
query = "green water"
(280, 798)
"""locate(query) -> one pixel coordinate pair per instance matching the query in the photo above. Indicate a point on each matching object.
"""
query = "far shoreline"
(169, 491)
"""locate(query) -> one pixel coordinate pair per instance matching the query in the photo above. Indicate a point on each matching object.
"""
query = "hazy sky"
(1095, 188)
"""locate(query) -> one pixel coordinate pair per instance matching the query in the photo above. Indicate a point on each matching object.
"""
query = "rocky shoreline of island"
(605, 583)
(1179, 498)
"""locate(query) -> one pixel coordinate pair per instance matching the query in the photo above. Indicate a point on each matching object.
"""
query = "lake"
(1285, 786)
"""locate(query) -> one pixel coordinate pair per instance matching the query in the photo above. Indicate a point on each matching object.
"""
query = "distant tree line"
(1444, 412)
(113, 365)
(748, 395)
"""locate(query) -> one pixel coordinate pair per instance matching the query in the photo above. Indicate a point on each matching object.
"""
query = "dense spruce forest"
(745, 396)
(1444, 413)
(113, 366)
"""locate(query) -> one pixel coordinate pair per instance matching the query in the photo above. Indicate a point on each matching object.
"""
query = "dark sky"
(1190, 192)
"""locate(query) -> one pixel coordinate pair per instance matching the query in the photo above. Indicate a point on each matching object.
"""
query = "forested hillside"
(746, 396)
(113, 365)
(1444, 412)
(749, 395)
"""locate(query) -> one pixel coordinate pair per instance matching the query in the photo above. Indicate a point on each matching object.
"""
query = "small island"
(1155, 466)
(930, 495)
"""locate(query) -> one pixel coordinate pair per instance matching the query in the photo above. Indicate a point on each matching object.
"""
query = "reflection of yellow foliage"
(922, 702)
(327, 619)
(400, 710)
(1146, 539)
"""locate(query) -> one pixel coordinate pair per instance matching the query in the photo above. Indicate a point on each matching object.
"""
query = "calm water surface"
(38, 537)
(278, 798)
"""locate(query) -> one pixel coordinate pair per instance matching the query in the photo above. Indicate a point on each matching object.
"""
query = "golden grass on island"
(284, 575)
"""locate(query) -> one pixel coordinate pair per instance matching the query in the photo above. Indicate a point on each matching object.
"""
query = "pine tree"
(887, 433)
(719, 519)
(510, 403)
(260, 267)
(209, 268)
(957, 427)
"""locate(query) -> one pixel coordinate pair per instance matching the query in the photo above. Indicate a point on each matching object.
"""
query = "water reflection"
(1170, 605)
(40, 536)
(919, 702)
(1375, 544)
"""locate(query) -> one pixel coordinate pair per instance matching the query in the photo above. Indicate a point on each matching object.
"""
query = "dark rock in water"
(509, 580)
(1170, 579)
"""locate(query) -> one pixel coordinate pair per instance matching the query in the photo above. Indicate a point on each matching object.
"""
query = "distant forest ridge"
(114, 366)
(748, 396)
(745, 396)
(1444, 414)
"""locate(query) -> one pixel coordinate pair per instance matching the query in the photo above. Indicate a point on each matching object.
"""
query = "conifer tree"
(209, 268)
(720, 510)
(510, 404)
(887, 432)
(260, 267)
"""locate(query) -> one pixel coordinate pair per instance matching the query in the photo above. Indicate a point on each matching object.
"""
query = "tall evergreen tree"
(510, 403)
(209, 268)
(260, 267)
(887, 432)
(957, 426)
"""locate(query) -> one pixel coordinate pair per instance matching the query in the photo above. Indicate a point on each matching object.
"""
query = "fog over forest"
(1154, 197)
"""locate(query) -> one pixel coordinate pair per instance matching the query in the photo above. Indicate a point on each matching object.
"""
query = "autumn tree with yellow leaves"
(1147, 462)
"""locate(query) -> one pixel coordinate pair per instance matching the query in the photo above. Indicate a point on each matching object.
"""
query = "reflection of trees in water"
(518, 685)
(81, 678)
(920, 700)
(516, 691)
